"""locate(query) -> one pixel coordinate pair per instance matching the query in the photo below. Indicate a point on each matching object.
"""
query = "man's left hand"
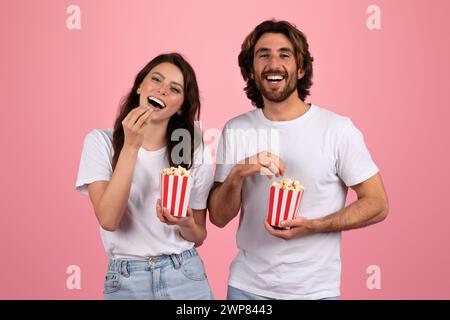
(299, 227)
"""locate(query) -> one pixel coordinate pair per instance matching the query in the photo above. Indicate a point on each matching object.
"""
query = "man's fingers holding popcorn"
(283, 234)
(268, 166)
(298, 222)
(271, 164)
(266, 172)
(265, 163)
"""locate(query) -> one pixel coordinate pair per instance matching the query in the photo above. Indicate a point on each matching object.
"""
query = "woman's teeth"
(156, 102)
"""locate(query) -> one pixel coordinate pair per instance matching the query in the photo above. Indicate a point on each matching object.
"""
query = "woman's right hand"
(134, 126)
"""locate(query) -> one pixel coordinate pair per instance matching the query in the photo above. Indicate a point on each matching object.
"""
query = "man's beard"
(278, 95)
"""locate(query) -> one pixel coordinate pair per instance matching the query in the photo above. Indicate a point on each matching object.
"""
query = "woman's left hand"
(165, 217)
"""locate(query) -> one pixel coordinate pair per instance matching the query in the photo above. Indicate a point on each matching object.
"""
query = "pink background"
(58, 84)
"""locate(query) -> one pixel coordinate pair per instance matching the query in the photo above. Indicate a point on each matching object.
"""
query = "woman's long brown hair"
(190, 108)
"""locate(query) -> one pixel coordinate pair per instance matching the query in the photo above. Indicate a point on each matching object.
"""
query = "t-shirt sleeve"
(225, 157)
(96, 161)
(354, 163)
(203, 179)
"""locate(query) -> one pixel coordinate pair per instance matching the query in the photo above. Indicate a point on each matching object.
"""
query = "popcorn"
(284, 201)
(288, 184)
(175, 190)
(174, 171)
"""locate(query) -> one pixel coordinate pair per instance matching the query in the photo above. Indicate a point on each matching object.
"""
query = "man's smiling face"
(275, 68)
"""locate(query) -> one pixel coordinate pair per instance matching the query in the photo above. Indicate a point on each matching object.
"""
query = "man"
(321, 149)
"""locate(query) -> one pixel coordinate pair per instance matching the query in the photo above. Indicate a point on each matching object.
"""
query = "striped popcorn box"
(284, 201)
(175, 190)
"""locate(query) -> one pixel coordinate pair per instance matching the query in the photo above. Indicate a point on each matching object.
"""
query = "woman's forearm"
(196, 234)
(114, 200)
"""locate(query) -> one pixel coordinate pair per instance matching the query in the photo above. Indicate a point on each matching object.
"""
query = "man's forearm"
(224, 202)
(361, 213)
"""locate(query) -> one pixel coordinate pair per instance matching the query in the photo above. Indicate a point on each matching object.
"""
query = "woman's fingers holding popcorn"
(159, 211)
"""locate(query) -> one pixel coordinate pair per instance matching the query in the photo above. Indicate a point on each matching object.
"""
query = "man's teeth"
(274, 78)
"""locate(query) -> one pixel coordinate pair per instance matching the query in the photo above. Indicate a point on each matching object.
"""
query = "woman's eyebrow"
(162, 76)
(177, 84)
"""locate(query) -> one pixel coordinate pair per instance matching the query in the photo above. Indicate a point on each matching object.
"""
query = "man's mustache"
(274, 72)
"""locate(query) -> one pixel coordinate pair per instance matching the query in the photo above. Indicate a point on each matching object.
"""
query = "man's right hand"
(265, 163)
(134, 126)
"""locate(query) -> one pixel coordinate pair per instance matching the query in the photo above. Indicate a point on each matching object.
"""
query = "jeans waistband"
(126, 266)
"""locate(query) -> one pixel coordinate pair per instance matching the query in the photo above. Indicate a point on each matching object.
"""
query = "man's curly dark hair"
(302, 55)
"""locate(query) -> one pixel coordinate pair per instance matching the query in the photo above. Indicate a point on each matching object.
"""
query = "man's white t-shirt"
(140, 234)
(326, 153)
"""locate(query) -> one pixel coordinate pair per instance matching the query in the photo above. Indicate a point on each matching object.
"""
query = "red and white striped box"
(284, 204)
(175, 192)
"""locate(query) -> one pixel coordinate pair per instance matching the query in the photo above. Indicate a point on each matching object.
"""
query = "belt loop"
(176, 261)
(124, 269)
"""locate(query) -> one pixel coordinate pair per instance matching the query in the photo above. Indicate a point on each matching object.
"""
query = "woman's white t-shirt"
(327, 154)
(140, 234)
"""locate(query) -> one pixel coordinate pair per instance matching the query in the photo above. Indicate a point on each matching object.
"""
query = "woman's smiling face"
(163, 90)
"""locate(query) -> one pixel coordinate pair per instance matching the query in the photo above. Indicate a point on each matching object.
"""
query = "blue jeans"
(238, 294)
(167, 277)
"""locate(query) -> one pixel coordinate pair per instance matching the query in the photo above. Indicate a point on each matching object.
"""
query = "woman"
(152, 254)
